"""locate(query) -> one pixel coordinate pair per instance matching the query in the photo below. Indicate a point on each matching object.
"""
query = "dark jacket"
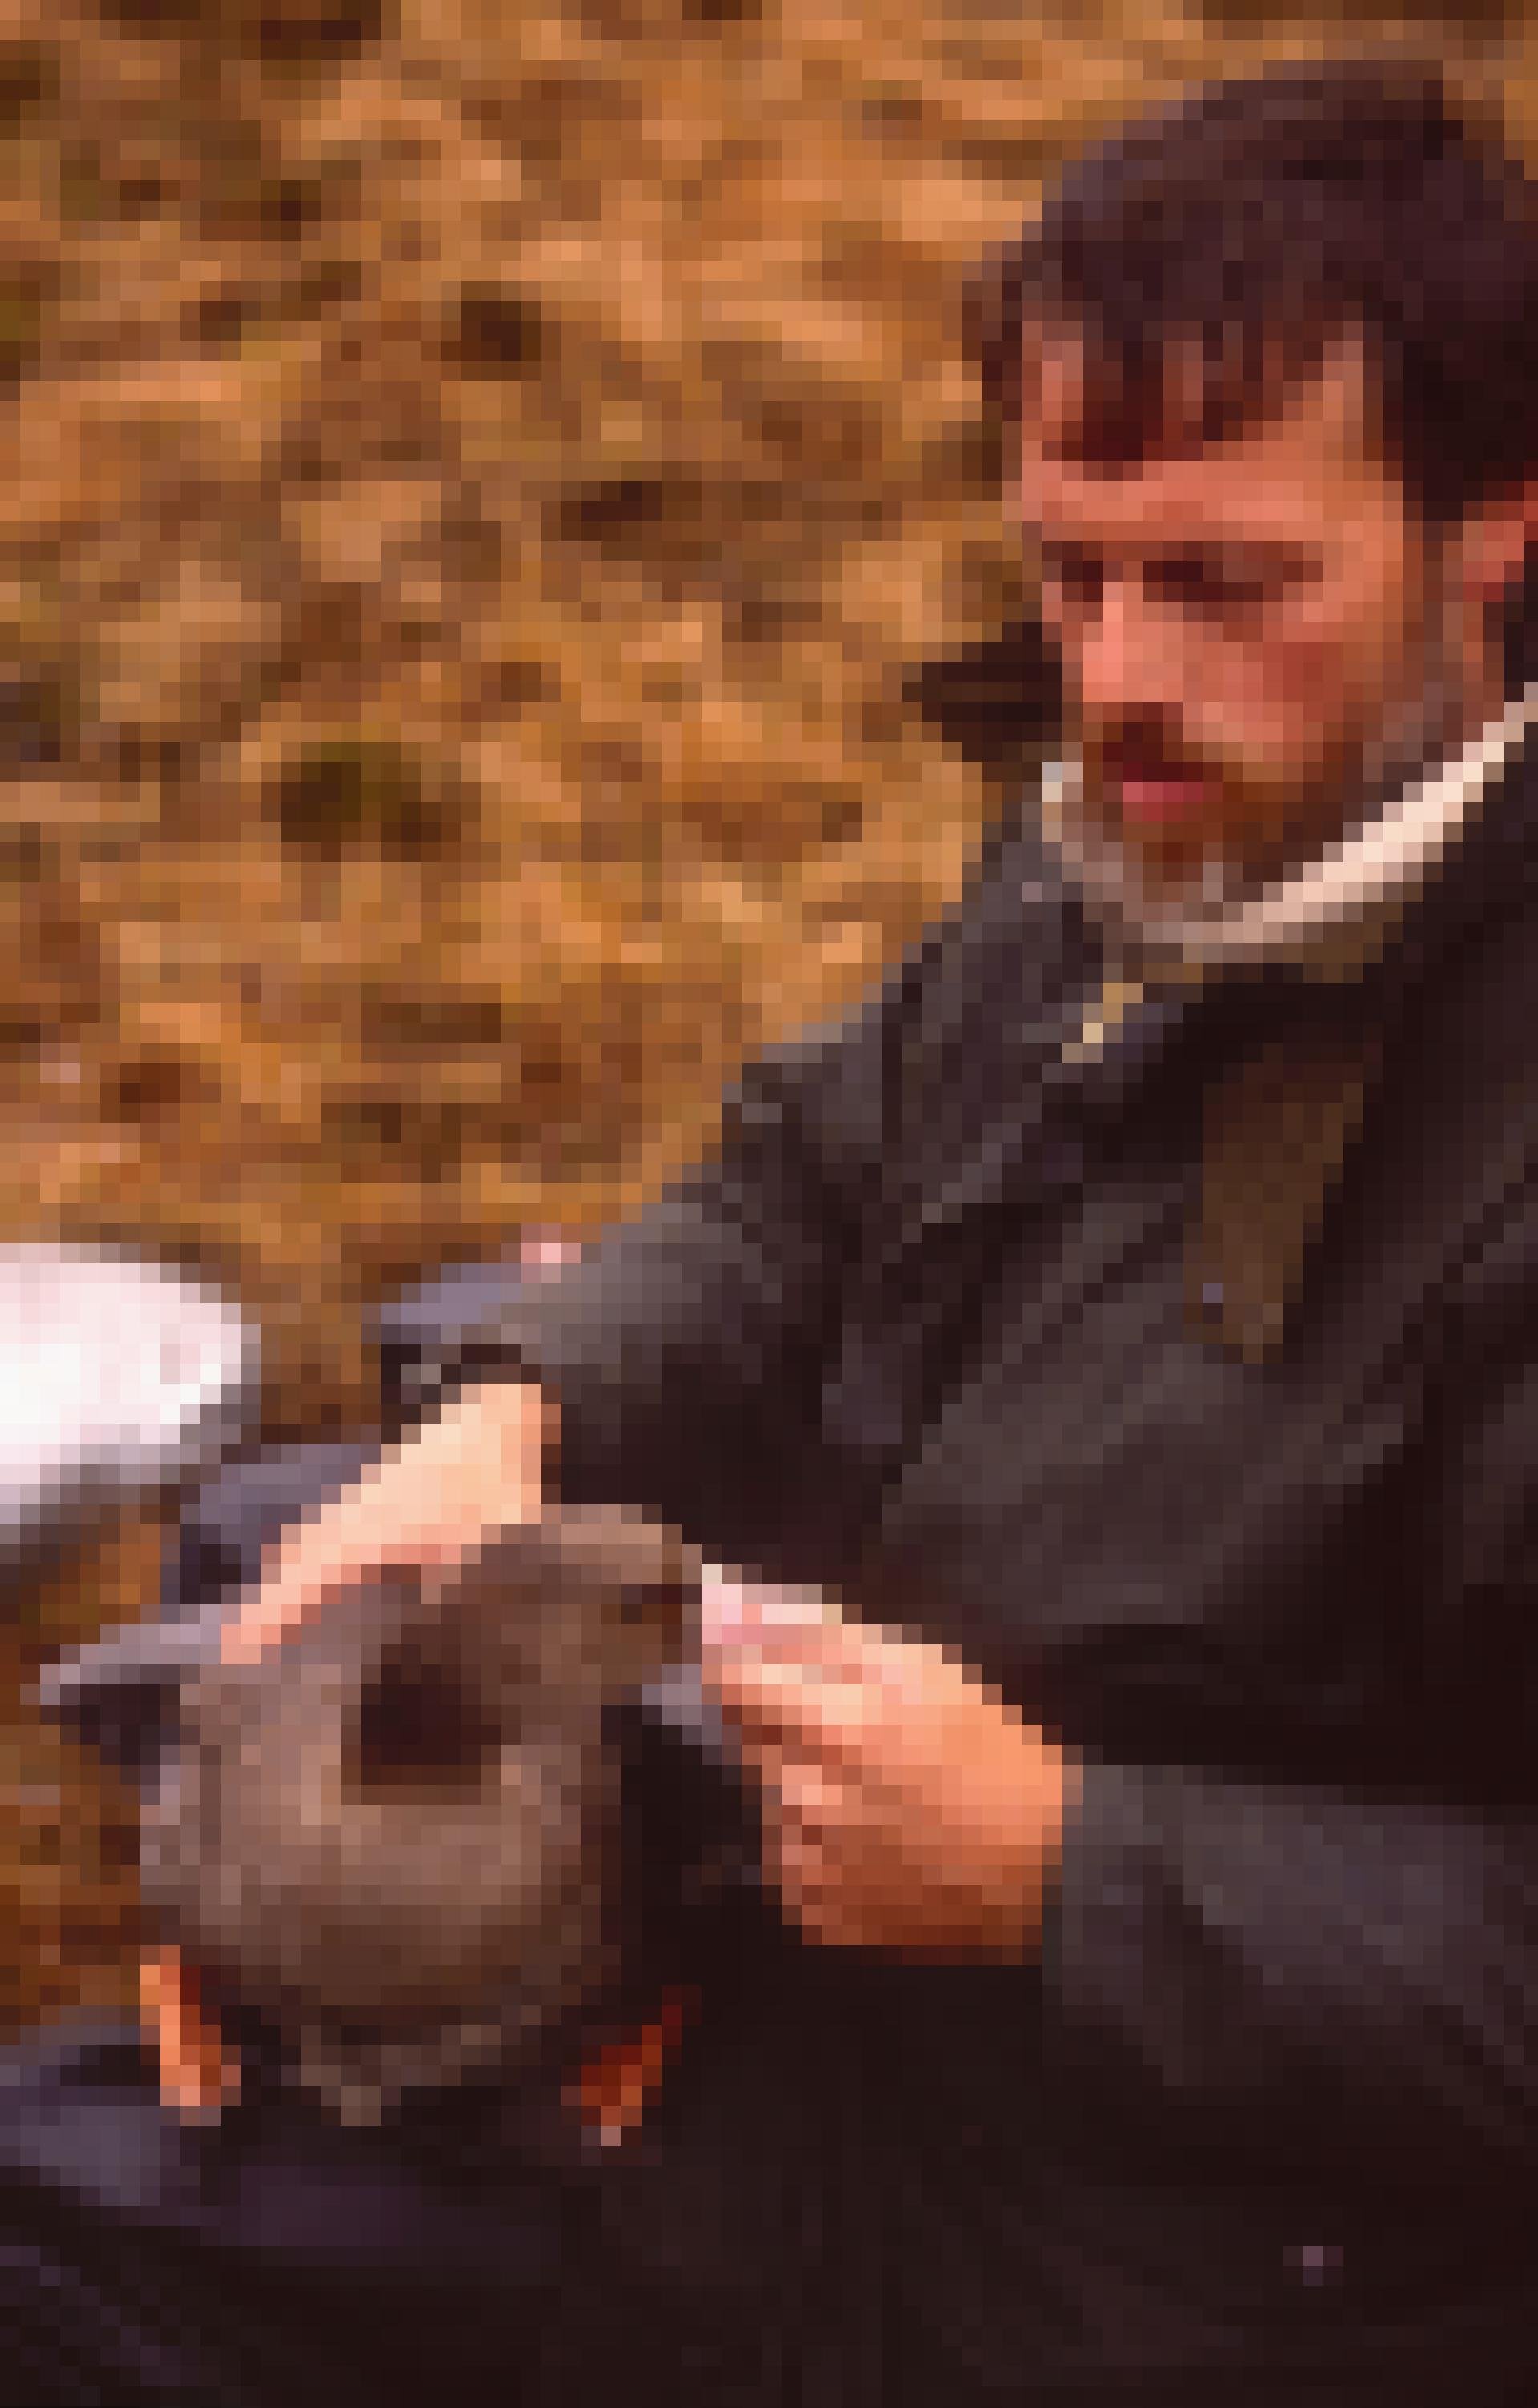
(1185, 1385)
(1217, 1447)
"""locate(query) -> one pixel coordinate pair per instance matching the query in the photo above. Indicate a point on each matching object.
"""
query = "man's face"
(1254, 633)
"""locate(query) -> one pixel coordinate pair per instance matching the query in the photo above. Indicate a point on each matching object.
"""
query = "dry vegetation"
(475, 480)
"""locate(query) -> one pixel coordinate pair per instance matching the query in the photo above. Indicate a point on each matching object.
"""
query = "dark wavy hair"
(1260, 219)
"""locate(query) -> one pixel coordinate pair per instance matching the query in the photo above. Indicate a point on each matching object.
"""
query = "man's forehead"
(1305, 467)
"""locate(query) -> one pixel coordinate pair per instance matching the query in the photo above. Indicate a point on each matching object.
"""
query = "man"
(1128, 1316)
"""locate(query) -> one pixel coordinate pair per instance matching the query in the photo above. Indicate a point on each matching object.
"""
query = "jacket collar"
(1281, 1008)
(1097, 1052)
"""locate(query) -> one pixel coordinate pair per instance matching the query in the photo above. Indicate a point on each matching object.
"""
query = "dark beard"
(1144, 912)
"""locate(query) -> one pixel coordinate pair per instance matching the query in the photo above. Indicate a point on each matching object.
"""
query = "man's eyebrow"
(1256, 551)
(1063, 548)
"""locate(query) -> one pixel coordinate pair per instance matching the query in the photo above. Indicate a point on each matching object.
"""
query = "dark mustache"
(1146, 756)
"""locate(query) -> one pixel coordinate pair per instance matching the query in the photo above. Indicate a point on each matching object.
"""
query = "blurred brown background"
(476, 480)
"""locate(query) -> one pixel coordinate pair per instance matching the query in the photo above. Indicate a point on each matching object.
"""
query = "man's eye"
(1209, 586)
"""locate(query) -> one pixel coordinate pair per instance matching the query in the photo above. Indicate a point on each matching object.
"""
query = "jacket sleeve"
(1341, 1980)
(1355, 1977)
(683, 1349)
(688, 1351)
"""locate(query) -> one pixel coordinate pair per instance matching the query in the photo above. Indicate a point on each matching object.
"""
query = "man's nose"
(1126, 659)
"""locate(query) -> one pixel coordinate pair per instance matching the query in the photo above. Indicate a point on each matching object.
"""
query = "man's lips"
(1155, 798)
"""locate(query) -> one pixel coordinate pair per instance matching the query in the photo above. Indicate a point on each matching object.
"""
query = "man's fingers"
(425, 1502)
(807, 1709)
(318, 1560)
(737, 1614)
(267, 1612)
(809, 1798)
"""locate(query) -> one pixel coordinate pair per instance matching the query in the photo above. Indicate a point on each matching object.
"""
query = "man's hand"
(427, 1501)
(907, 1808)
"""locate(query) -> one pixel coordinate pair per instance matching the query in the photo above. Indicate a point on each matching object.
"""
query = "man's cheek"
(1261, 711)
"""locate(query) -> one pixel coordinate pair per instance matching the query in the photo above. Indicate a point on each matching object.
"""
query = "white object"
(114, 1373)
